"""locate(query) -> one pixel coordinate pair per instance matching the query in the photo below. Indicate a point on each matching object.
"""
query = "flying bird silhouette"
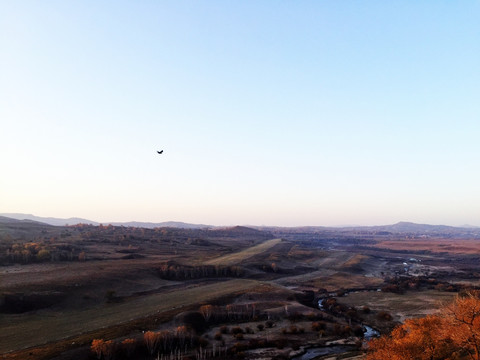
(161, 151)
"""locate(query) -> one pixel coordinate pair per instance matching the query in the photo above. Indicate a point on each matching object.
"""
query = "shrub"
(341, 330)
(202, 342)
(151, 340)
(318, 325)
(237, 330)
(383, 315)
(103, 348)
(281, 343)
(128, 346)
(96, 347)
(110, 296)
(195, 320)
(358, 331)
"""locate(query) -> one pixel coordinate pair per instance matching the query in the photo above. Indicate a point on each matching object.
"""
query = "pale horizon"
(279, 114)
(109, 222)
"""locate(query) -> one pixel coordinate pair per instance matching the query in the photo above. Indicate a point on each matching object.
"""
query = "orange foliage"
(151, 340)
(452, 335)
(129, 346)
(101, 347)
(464, 319)
(207, 311)
(96, 347)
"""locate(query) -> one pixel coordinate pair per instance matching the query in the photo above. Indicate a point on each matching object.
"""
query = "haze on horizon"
(270, 113)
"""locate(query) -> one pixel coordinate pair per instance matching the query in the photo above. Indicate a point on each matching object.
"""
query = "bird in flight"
(160, 152)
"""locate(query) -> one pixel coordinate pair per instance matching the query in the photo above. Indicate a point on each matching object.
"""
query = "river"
(314, 352)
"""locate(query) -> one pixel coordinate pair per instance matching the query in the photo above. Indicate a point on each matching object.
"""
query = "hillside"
(113, 283)
(403, 227)
(49, 220)
(75, 221)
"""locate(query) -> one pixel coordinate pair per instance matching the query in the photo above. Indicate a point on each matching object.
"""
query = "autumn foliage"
(454, 334)
(103, 348)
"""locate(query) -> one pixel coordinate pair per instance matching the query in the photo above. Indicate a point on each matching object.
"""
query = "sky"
(282, 113)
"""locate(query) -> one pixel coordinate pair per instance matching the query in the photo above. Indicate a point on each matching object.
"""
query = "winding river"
(314, 352)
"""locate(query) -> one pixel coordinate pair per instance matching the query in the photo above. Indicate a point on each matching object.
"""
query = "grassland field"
(117, 290)
(239, 257)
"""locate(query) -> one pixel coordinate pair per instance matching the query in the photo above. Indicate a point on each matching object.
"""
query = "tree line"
(185, 272)
(35, 252)
(175, 342)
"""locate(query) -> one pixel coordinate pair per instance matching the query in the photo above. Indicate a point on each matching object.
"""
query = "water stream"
(370, 333)
(314, 352)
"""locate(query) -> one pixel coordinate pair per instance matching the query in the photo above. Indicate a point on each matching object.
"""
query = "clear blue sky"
(269, 112)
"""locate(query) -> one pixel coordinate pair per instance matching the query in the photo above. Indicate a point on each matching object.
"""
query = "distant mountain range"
(404, 226)
(400, 227)
(75, 220)
(150, 225)
(49, 220)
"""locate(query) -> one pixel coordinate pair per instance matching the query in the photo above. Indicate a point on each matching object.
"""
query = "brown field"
(412, 304)
(114, 282)
(58, 274)
(355, 260)
(343, 281)
(329, 280)
(21, 331)
(433, 245)
(237, 258)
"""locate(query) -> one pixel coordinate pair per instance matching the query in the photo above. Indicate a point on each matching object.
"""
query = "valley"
(220, 293)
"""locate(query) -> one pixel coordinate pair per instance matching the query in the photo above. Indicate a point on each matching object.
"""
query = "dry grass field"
(343, 281)
(22, 331)
(344, 261)
(67, 273)
(239, 257)
(113, 282)
(458, 246)
(409, 305)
